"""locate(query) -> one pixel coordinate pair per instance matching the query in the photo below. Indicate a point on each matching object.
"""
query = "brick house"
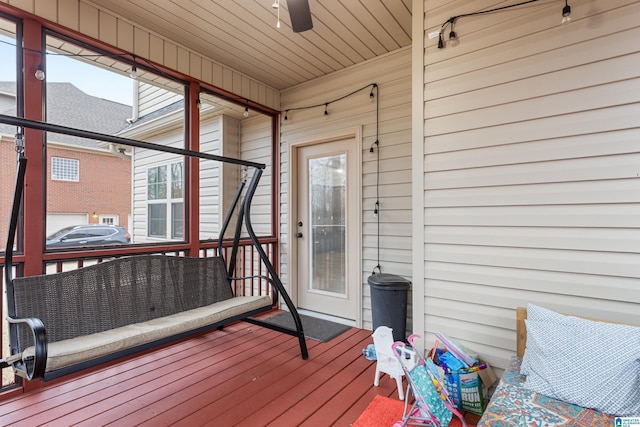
(77, 191)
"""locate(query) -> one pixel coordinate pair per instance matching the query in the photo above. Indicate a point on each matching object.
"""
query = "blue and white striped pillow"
(587, 363)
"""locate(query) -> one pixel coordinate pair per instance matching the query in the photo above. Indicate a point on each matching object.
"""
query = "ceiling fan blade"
(300, 15)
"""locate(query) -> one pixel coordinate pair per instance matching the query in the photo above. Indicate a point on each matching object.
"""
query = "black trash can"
(389, 303)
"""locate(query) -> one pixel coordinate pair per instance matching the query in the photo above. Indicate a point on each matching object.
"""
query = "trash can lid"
(391, 282)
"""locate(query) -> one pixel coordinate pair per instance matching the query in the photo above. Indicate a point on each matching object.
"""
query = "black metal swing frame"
(27, 369)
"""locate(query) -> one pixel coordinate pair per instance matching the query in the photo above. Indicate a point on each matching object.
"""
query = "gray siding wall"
(530, 168)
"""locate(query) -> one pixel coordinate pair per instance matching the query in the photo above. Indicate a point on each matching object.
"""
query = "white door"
(327, 228)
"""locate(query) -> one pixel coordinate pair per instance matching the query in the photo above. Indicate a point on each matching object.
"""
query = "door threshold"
(335, 319)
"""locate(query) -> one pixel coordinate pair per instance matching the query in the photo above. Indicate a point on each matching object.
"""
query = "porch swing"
(68, 321)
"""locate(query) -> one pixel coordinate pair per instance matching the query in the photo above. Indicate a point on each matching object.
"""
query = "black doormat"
(314, 328)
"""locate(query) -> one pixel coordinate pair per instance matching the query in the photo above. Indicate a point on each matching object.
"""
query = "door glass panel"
(327, 212)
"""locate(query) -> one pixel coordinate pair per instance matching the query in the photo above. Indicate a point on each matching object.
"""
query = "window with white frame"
(165, 205)
(108, 219)
(63, 169)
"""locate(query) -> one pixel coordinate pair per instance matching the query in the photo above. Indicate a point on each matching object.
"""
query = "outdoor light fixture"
(372, 152)
(566, 13)
(440, 41)
(453, 39)
(198, 103)
(286, 115)
(453, 36)
(19, 140)
(372, 149)
(326, 112)
(134, 73)
(246, 112)
(276, 5)
(40, 73)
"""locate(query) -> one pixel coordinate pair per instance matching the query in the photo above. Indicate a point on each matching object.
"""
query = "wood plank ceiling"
(242, 34)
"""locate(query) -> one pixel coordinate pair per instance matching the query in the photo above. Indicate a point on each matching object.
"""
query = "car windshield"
(59, 233)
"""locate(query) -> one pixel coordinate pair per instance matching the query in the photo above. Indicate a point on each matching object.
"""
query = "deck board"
(244, 375)
(184, 388)
(267, 386)
(308, 387)
(134, 377)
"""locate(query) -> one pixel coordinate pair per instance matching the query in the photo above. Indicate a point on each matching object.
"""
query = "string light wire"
(130, 58)
(326, 104)
(375, 146)
(373, 86)
(451, 21)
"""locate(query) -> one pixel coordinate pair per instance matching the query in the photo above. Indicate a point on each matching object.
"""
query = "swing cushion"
(108, 308)
(69, 352)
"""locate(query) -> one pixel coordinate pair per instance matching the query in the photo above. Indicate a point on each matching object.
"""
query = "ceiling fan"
(300, 15)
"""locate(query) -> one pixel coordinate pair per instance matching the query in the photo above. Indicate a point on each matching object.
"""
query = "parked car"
(88, 235)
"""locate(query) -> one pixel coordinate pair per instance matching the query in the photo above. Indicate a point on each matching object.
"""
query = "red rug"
(384, 412)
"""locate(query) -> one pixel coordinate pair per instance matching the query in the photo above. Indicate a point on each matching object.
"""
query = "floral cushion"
(513, 405)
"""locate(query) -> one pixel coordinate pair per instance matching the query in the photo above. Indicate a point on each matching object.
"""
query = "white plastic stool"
(387, 362)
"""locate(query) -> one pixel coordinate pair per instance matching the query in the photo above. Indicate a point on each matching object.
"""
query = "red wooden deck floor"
(244, 375)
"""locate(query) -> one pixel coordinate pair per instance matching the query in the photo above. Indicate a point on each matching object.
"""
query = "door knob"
(298, 234)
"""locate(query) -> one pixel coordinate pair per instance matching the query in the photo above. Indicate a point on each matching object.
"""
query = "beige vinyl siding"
(142, 160)
(210, 142)
(256, 146)
(230, 175)
(89, 18)
(152, 98)
(531, 165)
(249, 139)
(392, 73)
(219, 135)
